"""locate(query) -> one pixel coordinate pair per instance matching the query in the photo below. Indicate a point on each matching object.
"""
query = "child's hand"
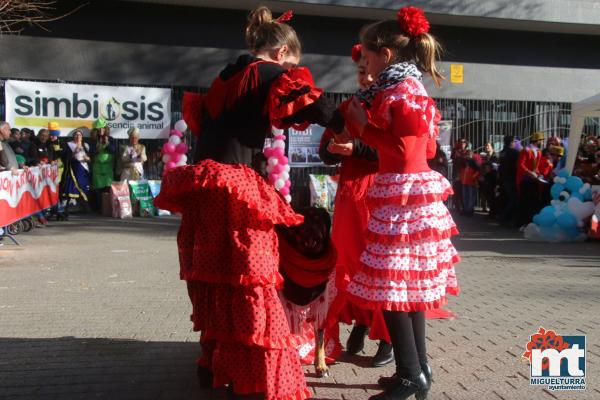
(356, 115)
(344, 149)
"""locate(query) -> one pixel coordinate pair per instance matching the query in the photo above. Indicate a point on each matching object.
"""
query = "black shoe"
(402, 389)
(426, 368)
(205, 377)
(386, 382)
(384, 355)
(356, 341)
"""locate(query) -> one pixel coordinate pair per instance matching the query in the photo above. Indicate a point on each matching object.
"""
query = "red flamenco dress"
(408, 262)
(357, 173)
(228, 248)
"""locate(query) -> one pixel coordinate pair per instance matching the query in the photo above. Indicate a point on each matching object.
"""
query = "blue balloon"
(563, 173)
(572, 233)
(566, 221)
(556, 189)
(577, 195)
(574, 183)
(546, 217)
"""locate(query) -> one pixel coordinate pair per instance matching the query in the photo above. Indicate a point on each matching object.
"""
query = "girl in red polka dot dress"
(228, 249)
(407, 265)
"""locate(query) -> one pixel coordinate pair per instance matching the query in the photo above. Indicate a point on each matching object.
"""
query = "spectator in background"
(58, 152)
(507, 174)
(8, 159)
(528, 175)
(488, 179)
(132, 157)
(468, 178)
(76, 180)
(439, 162)
(18, 146)
(458, 163)
(40, 151)
(15, 134)
(103, 147)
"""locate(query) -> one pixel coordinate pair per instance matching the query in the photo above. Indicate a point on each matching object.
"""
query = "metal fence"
(478, 121)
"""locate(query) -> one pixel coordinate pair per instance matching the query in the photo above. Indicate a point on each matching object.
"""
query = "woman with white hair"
(132, 157)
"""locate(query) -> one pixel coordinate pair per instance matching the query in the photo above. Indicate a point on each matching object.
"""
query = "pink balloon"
(288, 183)
(181, 148)
(175, 132)
(278, 152)
(168, 148)
(278, 169)
(280, 137)
(283, 160)
(170, 165)
(175, 157)
(273, 177)
(268, 152)
(284, 191)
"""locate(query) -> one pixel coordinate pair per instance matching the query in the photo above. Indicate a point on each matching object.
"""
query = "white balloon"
(288, 198)
(181, 126)
(284, 175)
(181, 163)
(175, 140)
(279, 183)
(287, 168)
(269, 168)
(279, 143)
(166, 158)
(273, 161)
(183, 159)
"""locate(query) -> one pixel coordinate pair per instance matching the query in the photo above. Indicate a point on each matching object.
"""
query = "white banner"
(34, 104)
(27, 192)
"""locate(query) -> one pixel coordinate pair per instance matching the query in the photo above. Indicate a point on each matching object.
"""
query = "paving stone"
(93, 309)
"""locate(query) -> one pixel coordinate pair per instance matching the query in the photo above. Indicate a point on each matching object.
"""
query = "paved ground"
(93, 309)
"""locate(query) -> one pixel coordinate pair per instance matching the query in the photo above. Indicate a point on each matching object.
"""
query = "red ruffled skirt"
(349, 225)
(408, 261)
(228, 253)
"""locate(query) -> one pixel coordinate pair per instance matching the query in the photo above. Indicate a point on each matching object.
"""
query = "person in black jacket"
(507, 172)
(41, 150)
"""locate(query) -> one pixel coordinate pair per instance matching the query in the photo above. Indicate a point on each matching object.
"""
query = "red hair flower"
(412, 21)
(285, 17)
(356, 52)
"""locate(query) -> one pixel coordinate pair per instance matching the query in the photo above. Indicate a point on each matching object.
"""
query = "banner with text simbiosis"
(34, 104)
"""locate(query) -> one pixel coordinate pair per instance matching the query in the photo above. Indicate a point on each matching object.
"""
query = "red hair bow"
(285, 17)
(412, 21)
(356, 52)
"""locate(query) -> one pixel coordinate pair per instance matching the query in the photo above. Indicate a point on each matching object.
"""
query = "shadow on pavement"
(69, 367)
(479, 234)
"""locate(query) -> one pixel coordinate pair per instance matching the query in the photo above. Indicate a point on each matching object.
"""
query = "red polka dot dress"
(228, 253)
(408, 261)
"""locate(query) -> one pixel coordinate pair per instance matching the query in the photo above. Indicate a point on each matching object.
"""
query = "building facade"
(522, 63)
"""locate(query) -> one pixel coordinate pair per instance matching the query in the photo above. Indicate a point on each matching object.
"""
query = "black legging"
(407, 331)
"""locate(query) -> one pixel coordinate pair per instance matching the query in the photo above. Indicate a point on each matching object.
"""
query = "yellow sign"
(456, 73)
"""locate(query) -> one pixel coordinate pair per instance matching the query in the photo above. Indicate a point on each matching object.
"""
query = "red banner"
(27, 192)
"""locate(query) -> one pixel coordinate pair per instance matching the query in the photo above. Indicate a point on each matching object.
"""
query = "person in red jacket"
(228, 247)
(357, 171)
(469, 177)
(407, 266)
(527, 178)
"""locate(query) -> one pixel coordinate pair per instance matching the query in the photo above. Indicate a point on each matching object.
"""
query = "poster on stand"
(304, 146)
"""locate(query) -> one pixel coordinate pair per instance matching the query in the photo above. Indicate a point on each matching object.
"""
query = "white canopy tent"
(589, 107)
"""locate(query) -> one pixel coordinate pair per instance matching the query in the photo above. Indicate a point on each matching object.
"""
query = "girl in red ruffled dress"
(357, 171)
(228, 249)
(407, 266)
